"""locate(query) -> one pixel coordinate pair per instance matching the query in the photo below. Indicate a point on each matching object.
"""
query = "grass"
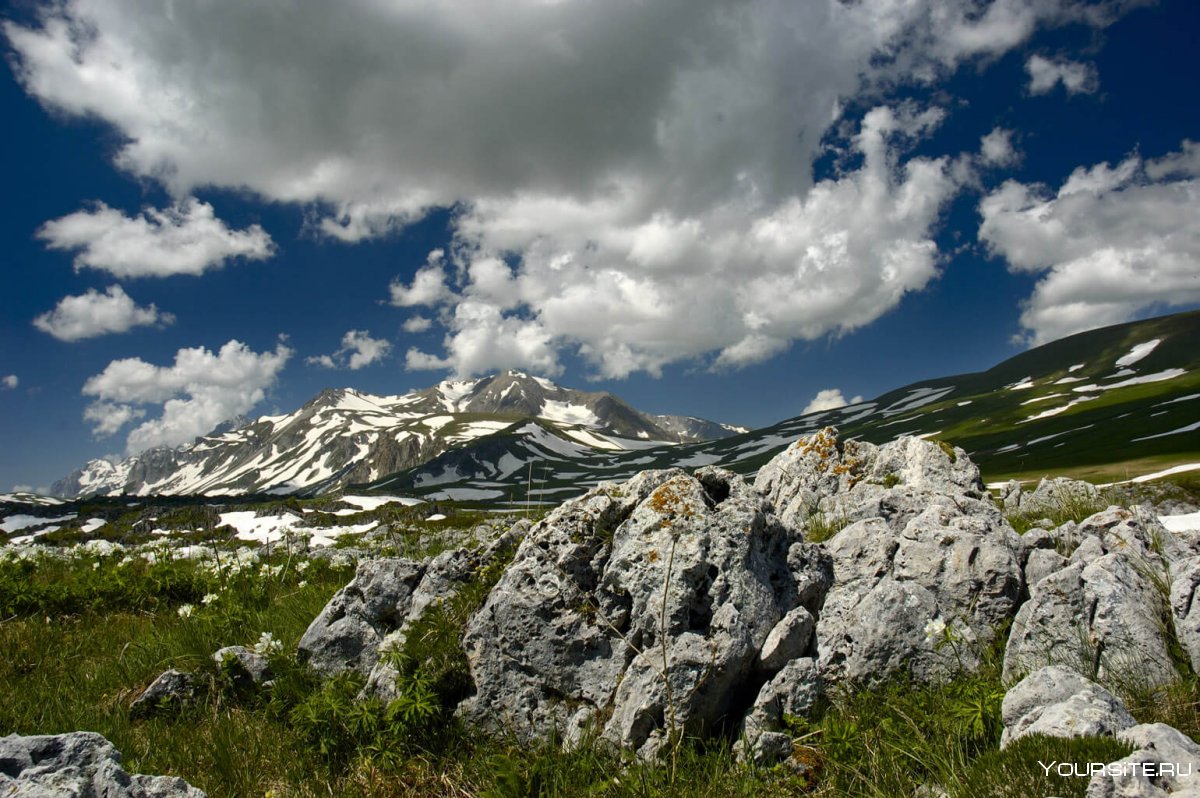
(79, 668)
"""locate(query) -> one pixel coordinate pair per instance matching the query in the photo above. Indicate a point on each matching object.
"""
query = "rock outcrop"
(1105, 612)
(77, 765)
(925, 569)
(375, 610)
(1058, 702)
(644, 607)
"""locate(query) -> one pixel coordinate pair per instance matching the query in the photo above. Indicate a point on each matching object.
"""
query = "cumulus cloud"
(10, 381)
(828, 399)
(358, 350)
(93, 313)
(417, 324)
(1110, 244)
(198, 391)
(996, 148)
(1076, 77)
(185, 238)
(631, 181)
(428, 286)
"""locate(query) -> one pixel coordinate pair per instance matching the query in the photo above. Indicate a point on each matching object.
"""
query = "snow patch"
(568, 413)
(17, 522)
(1188, 428)
(1138, 352)
(1160, 376)
(367, 503)
(1021, 384)
(1187, 522)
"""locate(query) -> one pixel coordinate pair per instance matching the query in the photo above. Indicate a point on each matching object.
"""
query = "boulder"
(384, 599)
(1058, 702)
(1166, 763)
(1050, 497)
(169, 689)
(923, 598)
(347, 633)
(245, 667)
(77, 765)
(1103, 614)
(823, 478)
(1185, 607)
(923, 549)
(640, 608)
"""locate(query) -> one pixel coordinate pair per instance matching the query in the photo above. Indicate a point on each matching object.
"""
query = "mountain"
(343, 436)
(1107, 404)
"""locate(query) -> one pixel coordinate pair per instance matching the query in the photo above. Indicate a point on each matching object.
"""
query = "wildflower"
(209, 598)
(302, 566)
(302, 583)
(186, 610)
(267, 645)
(934, 630)
(96, 565)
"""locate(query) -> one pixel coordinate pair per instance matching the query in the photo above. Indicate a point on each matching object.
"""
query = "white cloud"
(1111, 243)
(1076, 77)
(685, 224)
(996, 148)
(10, 381)
(93, 314)
(185, 238)
(428, 286)
(416, 360)
(200, 390)
(358, 350)
(417, 324)
(828, 399)
(108, 418)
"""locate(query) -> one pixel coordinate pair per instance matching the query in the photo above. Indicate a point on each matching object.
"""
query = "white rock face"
(74, 765)
(1167, 763)
(927, 567)
(1104, 612)
(641, 607)
(1058, 702)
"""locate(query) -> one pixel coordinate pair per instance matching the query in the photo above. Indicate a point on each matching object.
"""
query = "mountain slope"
(1106, 404)
(343, 436)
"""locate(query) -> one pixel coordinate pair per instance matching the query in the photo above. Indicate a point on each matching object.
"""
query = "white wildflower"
(934, 630)
(186, 610)
(302, 566)
(302, 583)
(209, 598)
(268, 645)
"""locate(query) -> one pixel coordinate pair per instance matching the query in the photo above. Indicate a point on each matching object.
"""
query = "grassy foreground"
(82, 634)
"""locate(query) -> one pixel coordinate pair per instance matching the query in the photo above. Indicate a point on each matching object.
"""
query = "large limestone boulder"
(1104, 613)
(77, 765)
(1058, 702)
(1166, 763)
(375, 610)
(641, 608)
(1185, 606)
(347, 633)
(824, 480)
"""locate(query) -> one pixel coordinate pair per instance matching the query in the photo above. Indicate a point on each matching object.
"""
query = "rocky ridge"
(699, 604)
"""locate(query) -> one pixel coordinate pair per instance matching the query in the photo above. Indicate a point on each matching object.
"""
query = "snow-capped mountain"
(343, 436)
(1108, 404)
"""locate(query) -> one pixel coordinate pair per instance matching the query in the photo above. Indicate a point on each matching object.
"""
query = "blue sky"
(712, 208)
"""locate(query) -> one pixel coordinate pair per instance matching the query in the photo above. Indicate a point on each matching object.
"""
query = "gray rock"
(1185, 606)
(1058, 702)
(953, 566)
(169, 689)
(347, 633)
(848, 481)
(1050, 496)
(1042, 563)
(246, 667)
(637, 608)
(789, 639)
(1088, 551)
(1166, 763)
(793, 692)
(1101, 619)
(77, 765)
(386, 596)
(924, 548)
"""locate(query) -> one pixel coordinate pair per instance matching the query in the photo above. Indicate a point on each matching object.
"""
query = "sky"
(734, 210)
